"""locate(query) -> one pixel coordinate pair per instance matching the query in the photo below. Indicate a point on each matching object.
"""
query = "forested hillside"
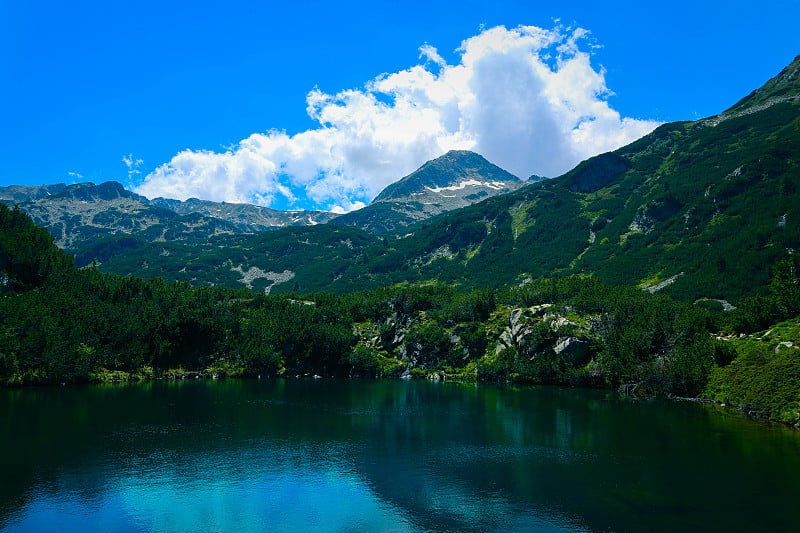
(61, 325)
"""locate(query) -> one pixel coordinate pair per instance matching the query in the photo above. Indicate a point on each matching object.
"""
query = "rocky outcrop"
(531, 329)
(544, 337)
(515, 333)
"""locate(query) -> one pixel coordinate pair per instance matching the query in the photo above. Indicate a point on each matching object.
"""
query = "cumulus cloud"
(528, 99)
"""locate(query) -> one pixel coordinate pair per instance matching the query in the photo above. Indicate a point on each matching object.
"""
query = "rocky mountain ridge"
(457, 174)
(247, 218)
(86, 218)
(785, 87)
(84, 213)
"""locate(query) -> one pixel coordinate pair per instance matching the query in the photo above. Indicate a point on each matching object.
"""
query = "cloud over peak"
(528, 99)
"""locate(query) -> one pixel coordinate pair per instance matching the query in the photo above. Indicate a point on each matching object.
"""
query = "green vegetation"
(761, 373)
(62, 324)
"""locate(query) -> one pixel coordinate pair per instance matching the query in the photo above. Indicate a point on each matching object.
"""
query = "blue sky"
(322, 104)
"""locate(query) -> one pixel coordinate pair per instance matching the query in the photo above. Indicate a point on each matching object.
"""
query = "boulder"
(573, 350)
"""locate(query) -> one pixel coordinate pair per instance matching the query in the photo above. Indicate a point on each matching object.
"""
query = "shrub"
(760, 382)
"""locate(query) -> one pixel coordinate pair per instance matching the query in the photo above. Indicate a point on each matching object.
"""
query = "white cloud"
(431, 54)
(350, 206)
(133, 165)
(528, 99)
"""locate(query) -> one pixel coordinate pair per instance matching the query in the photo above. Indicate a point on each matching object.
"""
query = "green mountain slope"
(698, 209)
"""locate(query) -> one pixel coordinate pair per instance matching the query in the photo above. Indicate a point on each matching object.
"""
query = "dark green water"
(384, 456)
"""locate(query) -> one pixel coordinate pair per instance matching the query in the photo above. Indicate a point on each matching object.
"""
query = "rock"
(537, 310)
(398, 339)
(513, 319)
(573, 350)
(557, 322)
(652, 289)
(505, 341)
(517, 327)
(516, 331)
(785, 344)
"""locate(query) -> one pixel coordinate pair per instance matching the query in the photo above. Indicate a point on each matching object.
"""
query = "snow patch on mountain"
(496, 185)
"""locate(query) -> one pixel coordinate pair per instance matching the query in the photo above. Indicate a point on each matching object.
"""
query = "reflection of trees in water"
(465, 457)
(449, 456)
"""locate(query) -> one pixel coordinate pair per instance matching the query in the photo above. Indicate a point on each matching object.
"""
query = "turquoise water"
(324, 455)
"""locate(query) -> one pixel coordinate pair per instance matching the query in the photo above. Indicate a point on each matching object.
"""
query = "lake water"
(325, 455)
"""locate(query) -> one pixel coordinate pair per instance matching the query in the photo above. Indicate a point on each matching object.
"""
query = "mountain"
(698, 210)
(97, 221)
(247, 218)
(695, 209)
(459, 176)
(457, 179)
(15, 194)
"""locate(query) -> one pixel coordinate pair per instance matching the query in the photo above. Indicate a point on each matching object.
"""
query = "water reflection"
(390, 455)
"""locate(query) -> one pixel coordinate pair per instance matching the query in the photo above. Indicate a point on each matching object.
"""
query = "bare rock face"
(515, 333)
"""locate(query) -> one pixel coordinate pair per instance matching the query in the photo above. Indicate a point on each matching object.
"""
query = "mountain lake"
(391, 455)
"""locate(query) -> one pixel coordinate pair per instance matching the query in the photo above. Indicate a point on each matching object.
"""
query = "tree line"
(61, 324)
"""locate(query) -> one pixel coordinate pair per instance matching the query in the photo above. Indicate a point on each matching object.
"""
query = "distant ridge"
(86, 217)
(246, 218)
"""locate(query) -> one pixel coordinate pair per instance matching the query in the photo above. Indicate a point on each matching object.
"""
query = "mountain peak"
(785, 87)
(454, 180)
(108, 190)
(456, 170)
